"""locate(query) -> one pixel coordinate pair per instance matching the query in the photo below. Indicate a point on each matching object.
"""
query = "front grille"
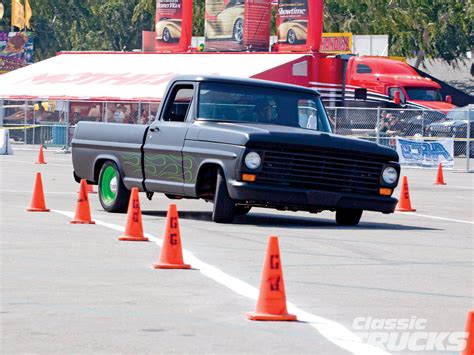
(319, 169)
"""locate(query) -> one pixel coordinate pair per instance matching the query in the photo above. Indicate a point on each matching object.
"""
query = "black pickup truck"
(239, 143)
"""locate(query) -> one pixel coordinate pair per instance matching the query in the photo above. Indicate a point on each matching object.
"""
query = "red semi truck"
(376, 81)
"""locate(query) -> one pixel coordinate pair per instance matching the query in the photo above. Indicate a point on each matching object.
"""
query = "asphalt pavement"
(77, 289)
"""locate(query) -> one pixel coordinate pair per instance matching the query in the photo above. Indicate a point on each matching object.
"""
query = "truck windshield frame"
(423, 94)
(239, 103)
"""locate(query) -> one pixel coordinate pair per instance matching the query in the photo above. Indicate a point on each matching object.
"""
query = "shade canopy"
(126, 76)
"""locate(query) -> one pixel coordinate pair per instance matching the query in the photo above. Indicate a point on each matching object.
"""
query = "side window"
(363, 69)
(308, 114)
(391, 94)
(179, 103)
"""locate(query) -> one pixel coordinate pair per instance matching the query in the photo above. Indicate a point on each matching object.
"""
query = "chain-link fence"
(382, 126)
(52, 123)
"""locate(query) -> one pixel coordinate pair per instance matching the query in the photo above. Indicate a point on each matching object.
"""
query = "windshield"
(423, 94)
(460, 114)
(253, 104)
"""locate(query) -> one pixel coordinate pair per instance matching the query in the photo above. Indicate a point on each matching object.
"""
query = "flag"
(18, 14)
(28, 14)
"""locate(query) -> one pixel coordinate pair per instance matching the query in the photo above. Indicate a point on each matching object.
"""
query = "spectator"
(389, 124)
(144, 118)
(264, 111)
(119, 114)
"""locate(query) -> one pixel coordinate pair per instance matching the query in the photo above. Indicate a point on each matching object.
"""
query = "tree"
(424, 29)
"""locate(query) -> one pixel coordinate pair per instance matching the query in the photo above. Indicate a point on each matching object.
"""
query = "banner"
(429, 154)
(224, 25)
(258, 15)
(299, 25)
(173, 25)
(16, 50)
(337, 43)
(237, 25)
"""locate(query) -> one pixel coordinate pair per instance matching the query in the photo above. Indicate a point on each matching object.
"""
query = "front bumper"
(300, 199)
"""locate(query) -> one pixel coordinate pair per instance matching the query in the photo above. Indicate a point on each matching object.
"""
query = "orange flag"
(18, 14)
(28, 14)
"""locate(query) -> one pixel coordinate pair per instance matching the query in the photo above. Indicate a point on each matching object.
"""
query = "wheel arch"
(100, 161)
(207, 177)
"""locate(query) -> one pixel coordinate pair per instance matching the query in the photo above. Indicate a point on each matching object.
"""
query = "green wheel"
(113, 195)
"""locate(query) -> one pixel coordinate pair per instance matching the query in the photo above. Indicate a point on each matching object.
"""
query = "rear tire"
(113, 195)
(223, 204)
(348, 217)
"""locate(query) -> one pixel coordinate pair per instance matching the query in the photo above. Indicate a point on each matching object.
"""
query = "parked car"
(455, 125)
(239, 143)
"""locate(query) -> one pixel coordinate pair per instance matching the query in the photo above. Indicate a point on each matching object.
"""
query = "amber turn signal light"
(385, 191)
(249, 177)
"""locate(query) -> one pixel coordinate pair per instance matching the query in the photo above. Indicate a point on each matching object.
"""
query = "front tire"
(242, 210)
(113, 195)
(348, 217)
(223, 204)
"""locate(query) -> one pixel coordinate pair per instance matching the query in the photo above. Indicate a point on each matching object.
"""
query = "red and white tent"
(135, 76)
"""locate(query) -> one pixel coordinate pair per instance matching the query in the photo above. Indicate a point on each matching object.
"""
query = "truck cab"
(388, 76)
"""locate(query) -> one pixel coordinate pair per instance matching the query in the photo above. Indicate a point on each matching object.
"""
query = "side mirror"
(396, 98)
(360, 94)
(449, 99)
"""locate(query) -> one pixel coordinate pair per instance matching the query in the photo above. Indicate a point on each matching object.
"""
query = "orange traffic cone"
(41, 156)
(404, 203)
(37, 202)
(439, 176)
(83, 211)
(171, 256)
(90, 188)
(469, 349)
(134, 227)
(271, 304)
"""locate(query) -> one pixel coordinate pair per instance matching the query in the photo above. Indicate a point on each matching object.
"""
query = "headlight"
(389, 175)
(253, 160)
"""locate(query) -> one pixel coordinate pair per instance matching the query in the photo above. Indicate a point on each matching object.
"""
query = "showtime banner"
(426, 154)
(299, 25)
(237, 25)
(174, 25)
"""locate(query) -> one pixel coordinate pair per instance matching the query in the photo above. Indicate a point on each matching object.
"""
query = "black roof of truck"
(243, 81)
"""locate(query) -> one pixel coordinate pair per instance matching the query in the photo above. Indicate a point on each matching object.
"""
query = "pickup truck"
(238, 143)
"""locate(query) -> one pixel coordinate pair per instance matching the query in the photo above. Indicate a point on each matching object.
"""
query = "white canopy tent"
(126, 76)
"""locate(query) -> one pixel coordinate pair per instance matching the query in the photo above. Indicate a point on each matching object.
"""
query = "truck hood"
(247, 134)
(441, 106)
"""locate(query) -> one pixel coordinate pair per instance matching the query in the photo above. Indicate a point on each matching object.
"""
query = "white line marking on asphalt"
(332, 331)
(46, 193)
(460, 187)
(434, 217)
(33, 163)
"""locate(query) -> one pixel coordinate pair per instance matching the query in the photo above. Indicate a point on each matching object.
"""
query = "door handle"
(154, 129)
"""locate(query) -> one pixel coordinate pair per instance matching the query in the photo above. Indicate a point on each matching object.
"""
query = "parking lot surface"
(77, 289)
